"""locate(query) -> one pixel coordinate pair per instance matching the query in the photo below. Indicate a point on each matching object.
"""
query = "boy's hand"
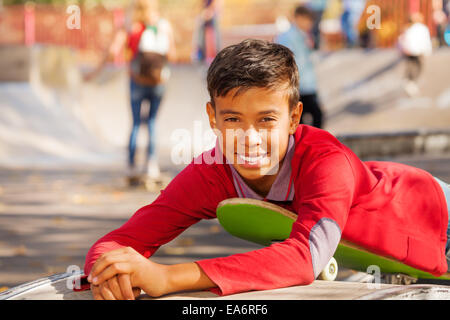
(116, 264)
(116, 288)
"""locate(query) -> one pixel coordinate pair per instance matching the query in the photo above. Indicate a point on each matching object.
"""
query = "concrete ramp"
(56, 288)
(42, 122)
(38, 129)
(79, 120)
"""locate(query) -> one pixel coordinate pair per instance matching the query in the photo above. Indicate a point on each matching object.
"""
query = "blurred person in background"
(440, 20)
(447, 34)
(149, 47)
(317, 7)
(414, 44)
(447, 29)
(352, 10)
(299, 40)
(207, 34)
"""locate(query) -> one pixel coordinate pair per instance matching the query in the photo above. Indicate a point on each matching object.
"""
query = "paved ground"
(49, 219)
(61, 161)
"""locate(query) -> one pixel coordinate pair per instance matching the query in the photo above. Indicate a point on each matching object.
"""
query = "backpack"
(150, 61)
(147, 68)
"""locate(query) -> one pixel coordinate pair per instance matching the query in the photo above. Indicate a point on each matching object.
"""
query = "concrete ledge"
(56, 288)
(423, 141)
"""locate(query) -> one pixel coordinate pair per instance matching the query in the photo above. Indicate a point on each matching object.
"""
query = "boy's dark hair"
(303, 11)
(254, 63)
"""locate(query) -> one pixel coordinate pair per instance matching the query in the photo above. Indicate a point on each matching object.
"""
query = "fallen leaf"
(73, 246)
(20, 250)
(35, 178)
(54, 269)
(174, 250)
(215, 229)
(79, 199)
(3, 289)
(58, 220)
(117, 195)
(58, 184)
(186, 242)
(63, 258)
(35, 264)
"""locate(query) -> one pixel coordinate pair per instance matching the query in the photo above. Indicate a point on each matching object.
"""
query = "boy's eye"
(268, 119)
(232, 119)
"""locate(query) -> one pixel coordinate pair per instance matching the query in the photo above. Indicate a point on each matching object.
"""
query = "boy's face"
(253, 129)
(304, 23)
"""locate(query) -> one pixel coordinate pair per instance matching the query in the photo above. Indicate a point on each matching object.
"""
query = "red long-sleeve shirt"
(390, 209)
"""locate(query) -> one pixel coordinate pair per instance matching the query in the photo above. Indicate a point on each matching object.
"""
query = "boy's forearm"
(187, 277)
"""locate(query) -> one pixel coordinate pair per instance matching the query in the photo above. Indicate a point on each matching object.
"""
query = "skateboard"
(265, 223)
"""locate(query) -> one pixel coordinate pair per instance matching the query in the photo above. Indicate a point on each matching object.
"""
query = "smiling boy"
(261, 152)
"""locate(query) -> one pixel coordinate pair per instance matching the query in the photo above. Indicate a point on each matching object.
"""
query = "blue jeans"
(348, 28)
(446, 188)
(138, 94)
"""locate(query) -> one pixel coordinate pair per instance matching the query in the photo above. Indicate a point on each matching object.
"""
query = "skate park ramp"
(363, 91)
(56, 118)
(42, 122)
(39, 132)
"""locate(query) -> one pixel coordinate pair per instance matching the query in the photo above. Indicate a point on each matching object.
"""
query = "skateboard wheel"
(329, 273)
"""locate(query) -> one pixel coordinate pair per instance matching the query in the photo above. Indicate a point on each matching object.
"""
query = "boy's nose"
(250, 138)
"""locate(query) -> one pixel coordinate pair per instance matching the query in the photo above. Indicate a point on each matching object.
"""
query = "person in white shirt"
(415, 44)
(149, 46)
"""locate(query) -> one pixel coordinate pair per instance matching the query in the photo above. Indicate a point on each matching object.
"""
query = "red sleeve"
(134, 37)
(181, 204)
(324, 187)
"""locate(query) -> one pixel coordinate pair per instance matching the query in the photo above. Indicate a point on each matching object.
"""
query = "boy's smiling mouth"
(252, 160)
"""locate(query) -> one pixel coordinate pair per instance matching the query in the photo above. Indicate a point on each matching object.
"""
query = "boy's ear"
(296, 114)
(211, 115)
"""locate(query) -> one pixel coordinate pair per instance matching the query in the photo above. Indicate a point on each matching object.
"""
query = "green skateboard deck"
(265, 223)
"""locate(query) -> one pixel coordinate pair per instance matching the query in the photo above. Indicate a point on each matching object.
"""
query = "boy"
(297, 39)
(391, 209)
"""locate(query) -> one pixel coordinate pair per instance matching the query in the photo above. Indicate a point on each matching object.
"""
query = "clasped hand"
(121, 274)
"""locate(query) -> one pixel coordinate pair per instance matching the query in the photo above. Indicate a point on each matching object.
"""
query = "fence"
(394, 17)
(45, 24)
(41, 24)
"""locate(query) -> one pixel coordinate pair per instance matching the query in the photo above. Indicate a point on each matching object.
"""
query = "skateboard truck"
(401, 279)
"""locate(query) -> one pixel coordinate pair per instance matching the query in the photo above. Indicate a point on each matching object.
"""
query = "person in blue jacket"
(298, 39)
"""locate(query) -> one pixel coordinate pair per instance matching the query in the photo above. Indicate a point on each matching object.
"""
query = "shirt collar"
(282, 188)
